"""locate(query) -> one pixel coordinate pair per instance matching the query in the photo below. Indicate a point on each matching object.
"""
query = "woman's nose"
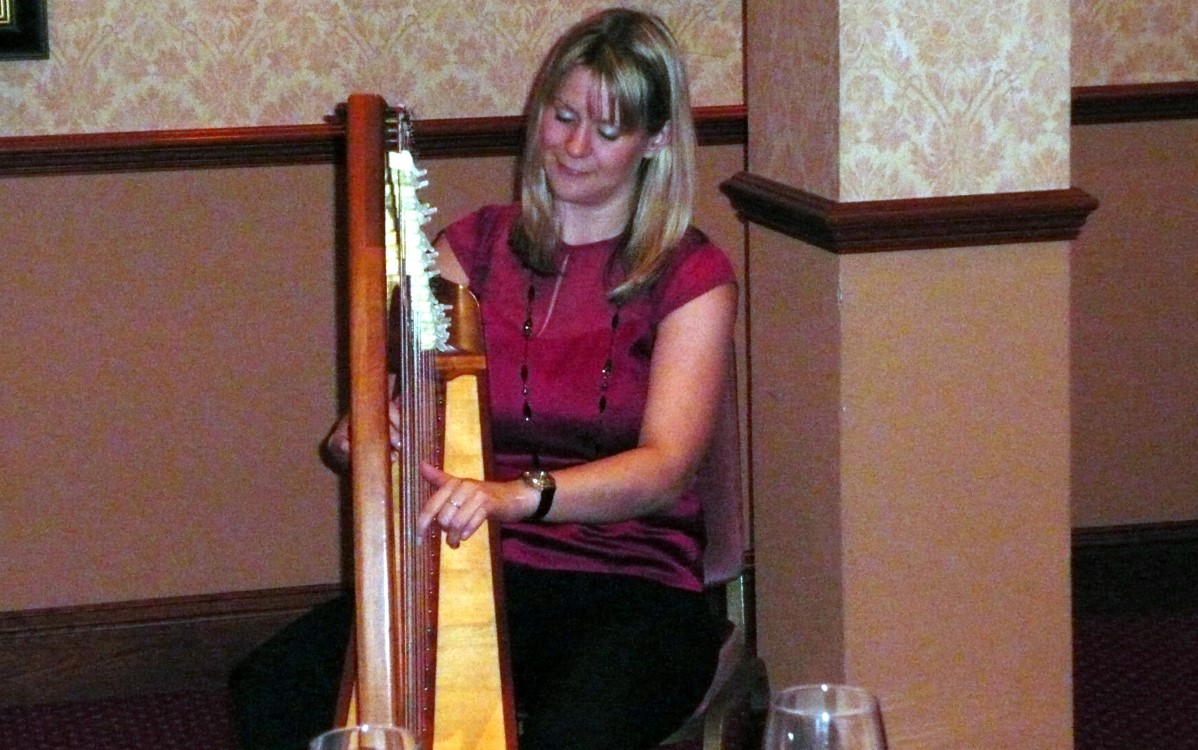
(578, 142)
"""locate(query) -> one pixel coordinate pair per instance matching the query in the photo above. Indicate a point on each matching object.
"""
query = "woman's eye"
(609, 132)
(563, 115)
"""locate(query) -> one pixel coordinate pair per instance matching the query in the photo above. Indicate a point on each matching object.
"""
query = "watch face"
(539, 479)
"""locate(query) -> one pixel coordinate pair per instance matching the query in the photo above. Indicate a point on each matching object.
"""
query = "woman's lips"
(569, 171)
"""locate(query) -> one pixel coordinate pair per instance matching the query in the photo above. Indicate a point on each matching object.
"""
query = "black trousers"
(285, 692)
(603, 662)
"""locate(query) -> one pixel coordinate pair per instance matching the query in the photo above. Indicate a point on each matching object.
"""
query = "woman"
(608, 324)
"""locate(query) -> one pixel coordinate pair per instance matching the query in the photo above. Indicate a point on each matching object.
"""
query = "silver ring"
(456, 505)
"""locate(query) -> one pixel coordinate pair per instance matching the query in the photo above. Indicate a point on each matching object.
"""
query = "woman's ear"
(658, 141)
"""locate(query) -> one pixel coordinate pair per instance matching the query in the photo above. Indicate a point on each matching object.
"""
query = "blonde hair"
(636, 61)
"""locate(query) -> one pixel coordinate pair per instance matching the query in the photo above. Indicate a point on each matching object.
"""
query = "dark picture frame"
(23, 30)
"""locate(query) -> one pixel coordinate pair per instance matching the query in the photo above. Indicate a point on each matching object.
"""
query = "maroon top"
(572, 336)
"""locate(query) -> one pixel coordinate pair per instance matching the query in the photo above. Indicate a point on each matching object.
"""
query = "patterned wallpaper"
(1116, 41)
(119, 65)
(157, 64)
(795, 77)
(953, 97)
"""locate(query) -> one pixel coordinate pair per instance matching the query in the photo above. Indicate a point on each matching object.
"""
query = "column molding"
(909, 224)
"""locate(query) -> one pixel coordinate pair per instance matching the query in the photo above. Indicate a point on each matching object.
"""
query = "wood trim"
(287, 144)
(1095, 105)
(170, 149)
(722, 126)
(503, 136)
(909, 224)
(140, 647)
(185, 643)
(1135, 535)
(453, 138)
(35, 622)
(1135, 570)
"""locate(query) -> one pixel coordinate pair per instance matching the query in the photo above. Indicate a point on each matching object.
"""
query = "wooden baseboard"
(1091, 539)
(1136, 569)
(140, 647)
(187, 643)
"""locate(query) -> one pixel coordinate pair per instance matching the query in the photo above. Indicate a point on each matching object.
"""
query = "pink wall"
(169, 366)
(168, 370)
(1135, 325)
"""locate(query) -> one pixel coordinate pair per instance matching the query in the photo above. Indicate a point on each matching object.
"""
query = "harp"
(428, 645)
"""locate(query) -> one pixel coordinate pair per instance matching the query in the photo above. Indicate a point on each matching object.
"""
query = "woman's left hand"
(460, 506)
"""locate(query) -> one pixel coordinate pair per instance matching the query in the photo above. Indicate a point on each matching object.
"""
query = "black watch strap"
(547, 485)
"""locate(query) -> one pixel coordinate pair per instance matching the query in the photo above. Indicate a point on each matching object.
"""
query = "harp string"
(420, 329)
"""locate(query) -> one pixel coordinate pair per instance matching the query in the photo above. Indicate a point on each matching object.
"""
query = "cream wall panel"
(127, 65)
(794, 139)
(952, 97)
(156, 64)
(1134, 42)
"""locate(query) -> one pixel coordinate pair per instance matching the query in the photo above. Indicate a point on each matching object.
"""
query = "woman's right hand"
(336, 445)
(335, 448)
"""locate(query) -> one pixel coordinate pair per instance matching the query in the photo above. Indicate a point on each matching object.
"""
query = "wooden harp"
(428, 651)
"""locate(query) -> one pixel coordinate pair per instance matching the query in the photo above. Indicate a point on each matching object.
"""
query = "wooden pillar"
(910, 220)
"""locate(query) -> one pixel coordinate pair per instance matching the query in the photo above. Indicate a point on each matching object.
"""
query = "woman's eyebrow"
(604, 112)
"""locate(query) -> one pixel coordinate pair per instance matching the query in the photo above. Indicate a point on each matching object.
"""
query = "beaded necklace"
(528, 335)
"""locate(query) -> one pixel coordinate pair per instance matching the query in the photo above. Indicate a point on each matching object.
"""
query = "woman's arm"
(687, 375)
(447, 263)
(336, 443)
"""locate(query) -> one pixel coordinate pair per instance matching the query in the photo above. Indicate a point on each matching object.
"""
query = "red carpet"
(1135, 640)
(1135, 688)
(187, 721)
(1136, 681)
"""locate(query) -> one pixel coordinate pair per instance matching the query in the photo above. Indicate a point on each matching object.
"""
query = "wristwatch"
(543, 482)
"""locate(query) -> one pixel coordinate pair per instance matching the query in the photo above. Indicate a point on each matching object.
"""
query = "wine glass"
(824, 717)
(365, 737)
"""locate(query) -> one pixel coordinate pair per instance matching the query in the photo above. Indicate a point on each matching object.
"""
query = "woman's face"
(588, 161)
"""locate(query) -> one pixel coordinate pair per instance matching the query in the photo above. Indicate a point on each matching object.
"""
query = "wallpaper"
(1115, 41)
(158, 64)
(123, 65)
(953, 97)
(795, 79)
